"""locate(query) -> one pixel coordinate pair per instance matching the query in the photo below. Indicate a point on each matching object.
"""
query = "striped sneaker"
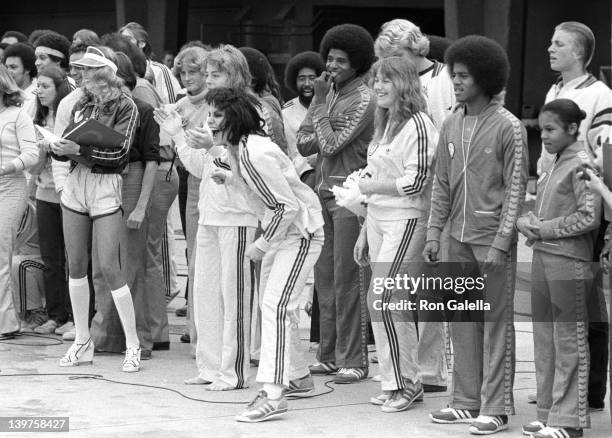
(323, 368)
(453, 416)
(558, 432)
(380, 399)
(533, 427)
(263, 408)
(351, 375)
(302, 387)
(488, 424)
(403, 399)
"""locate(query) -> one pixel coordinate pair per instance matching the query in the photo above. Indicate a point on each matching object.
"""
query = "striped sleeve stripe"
(167, 81)
(422, 143)
(279, 211)
(217, 162)
(587, 82)
(125, 148)
(516, 192)
(257, 180)
(603, 117)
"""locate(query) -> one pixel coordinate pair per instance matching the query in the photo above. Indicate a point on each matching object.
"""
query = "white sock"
(79, 298)
(125, 308)
(274, 391)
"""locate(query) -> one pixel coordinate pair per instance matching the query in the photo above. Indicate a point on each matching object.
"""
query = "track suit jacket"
(479, 188)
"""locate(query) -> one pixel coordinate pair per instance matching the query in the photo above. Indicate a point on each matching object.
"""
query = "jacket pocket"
(485, 220)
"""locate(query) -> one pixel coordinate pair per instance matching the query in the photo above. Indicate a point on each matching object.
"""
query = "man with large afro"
(52, 48)
(339, 127)
(300, 74)
(478, 190)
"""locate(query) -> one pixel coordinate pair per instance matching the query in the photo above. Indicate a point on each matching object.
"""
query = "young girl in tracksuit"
(397, 183)
(289, 246)
(560, 229)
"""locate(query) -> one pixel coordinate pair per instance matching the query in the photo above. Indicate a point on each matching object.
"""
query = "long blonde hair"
(404, 77)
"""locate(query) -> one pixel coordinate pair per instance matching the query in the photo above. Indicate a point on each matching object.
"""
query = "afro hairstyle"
(437, 47)
(20, 37)
(485, 59)
(25, 52)
(56, 41)
(352, 39)
(302, 60)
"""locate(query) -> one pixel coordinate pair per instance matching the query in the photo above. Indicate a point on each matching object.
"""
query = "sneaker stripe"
(281, 312)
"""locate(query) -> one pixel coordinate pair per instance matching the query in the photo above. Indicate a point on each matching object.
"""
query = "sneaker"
(48, 328)
(404, 398)
(33, 319)
(558, 432)
(181, 311)
(78, 354)
(69, 335)
(323, 368)
(131, 363)
(453, 416)
(380, 399)
(263, 408)
(302, 387)
(66, 327)
(533, 427)
(488, 424)
(351, 375)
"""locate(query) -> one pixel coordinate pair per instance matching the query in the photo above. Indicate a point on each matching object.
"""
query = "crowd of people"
(439, 164)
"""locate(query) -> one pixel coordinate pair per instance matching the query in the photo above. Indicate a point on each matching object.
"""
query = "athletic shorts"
(92, 194)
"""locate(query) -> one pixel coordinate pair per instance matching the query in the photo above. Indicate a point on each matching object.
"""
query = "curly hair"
(241, 112)
(230, 60)
(193, 56)
(302, 60)
(121, 43)
(400, 34)
(56, 41)
(405, 79)
(20, 37)
(62, 89)
(437, 47)
(25, 52)
(264, 78)
(485, 59)
(352, 39)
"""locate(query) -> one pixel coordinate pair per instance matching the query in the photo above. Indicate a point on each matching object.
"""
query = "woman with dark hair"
(53, 86)
(92, 203)
(17, 152)
(289, 246)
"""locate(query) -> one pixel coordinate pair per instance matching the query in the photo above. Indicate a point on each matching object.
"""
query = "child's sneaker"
(488, 424)
(558, 432)
(131, 363)
(302, 387)
(453, 416)
(533, 427)
(263, 408)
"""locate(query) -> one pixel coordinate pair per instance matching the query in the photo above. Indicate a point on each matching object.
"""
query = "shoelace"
(260, 396)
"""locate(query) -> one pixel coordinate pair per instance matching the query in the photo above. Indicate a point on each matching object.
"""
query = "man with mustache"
(300, 73)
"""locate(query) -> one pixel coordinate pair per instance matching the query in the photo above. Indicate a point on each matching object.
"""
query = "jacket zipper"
(466, 156)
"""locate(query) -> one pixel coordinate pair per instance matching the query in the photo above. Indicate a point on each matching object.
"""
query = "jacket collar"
(570, 151)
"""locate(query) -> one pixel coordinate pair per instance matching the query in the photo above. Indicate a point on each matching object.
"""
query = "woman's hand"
(136, 218)
(595, 183)
(254, 253)
(360, 251)
(65, 147)
(199, 138)
(169, 121)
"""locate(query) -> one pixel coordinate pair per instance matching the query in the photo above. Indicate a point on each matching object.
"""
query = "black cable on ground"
(78, 376)
(32, 335)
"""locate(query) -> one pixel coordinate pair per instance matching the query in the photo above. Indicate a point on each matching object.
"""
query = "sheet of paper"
(47, 135)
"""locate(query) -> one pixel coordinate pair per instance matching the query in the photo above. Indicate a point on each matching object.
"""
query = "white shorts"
(92, 194)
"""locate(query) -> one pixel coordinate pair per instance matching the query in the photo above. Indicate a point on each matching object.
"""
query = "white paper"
(47, 135)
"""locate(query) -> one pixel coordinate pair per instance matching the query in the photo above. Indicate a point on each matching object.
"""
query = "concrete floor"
(106, 409)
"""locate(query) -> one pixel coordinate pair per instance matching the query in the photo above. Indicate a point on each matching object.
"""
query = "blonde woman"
(397, 183)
